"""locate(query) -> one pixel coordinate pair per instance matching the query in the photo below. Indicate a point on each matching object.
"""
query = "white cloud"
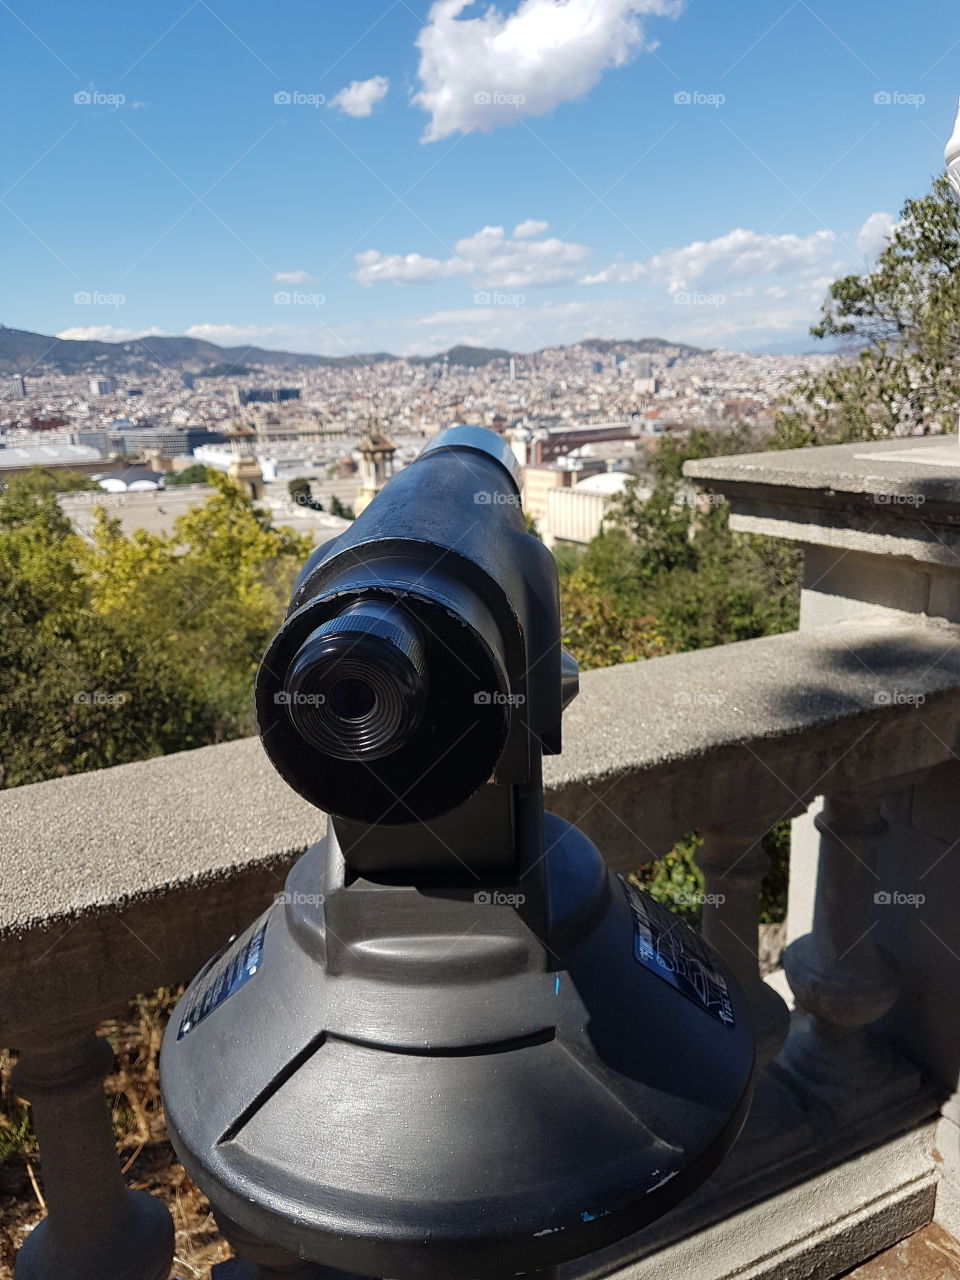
(293, 277)
(374, 267)
(617, 273)
(736, 255)
(741, 320)
(747, 317)
(740, 253)
(875, 233)
(483, 72)
(529, 227)
(107, 333)
(489, 255)
(360, 96)
(234, 335)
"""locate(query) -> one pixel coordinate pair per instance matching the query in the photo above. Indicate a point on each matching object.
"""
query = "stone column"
(734, 863)
(95, 1227)
(842, 980)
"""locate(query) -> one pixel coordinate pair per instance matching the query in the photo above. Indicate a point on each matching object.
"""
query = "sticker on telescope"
(225, 975)
(669, 948)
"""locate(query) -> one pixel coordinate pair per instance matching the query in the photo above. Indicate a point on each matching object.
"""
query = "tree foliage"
(126, 647)
(899, 326)
(301, 493)
(196, 473)
(338, 508)
(668, 574)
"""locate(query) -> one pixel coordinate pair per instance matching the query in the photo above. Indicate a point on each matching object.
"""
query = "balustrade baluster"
(841, 978)
(734, 863)
(96, 1228)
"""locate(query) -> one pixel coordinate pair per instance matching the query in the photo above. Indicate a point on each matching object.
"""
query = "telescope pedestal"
(457, 1047)
(237, 1269)
(265, 1262)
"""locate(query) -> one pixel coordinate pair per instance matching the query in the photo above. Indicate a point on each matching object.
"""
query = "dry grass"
(133, 1096)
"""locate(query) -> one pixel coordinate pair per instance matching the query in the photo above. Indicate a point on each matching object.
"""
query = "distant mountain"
(29, 353)
(23, 352)
(465, 357)
(643, 346)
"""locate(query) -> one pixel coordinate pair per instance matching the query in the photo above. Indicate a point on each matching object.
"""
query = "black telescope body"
(456, 1047)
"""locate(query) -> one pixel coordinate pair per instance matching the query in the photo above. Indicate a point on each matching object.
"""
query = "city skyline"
(432, 174)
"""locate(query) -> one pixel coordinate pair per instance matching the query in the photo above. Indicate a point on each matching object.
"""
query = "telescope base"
(237, 1269)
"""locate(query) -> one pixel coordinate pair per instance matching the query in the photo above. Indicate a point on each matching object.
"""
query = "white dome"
(605, 482)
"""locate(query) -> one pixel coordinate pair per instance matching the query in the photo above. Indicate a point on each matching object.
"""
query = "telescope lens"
(352, 699)
(357, 686)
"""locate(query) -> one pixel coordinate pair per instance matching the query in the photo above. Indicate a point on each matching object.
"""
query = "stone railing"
(121, 881)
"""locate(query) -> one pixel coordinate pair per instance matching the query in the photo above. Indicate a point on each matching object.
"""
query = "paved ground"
(930, 1254)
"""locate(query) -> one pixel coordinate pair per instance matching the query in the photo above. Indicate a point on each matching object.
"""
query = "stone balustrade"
(118, 882)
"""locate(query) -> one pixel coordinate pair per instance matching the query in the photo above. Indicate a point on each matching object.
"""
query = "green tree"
(197, 473)
(668, 573)
(53, 480)
(900, 327)
(301, 493)
(75, 690)
(125, 647)
(337, 508)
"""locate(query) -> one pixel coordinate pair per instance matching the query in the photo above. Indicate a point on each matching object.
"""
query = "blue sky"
(407, 175)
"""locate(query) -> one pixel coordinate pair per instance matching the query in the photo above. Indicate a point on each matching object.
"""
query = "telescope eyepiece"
(357, 686)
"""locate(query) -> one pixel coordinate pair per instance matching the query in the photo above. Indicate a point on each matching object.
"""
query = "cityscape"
(570, 412)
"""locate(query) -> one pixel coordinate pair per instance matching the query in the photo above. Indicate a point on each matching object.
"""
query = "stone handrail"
(121, 880)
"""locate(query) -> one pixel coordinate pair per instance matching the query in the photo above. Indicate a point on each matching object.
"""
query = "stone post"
(841, 978)
(734, 863)
(95, 1227)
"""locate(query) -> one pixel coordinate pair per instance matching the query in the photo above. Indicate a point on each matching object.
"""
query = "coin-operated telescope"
(457, 1047)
